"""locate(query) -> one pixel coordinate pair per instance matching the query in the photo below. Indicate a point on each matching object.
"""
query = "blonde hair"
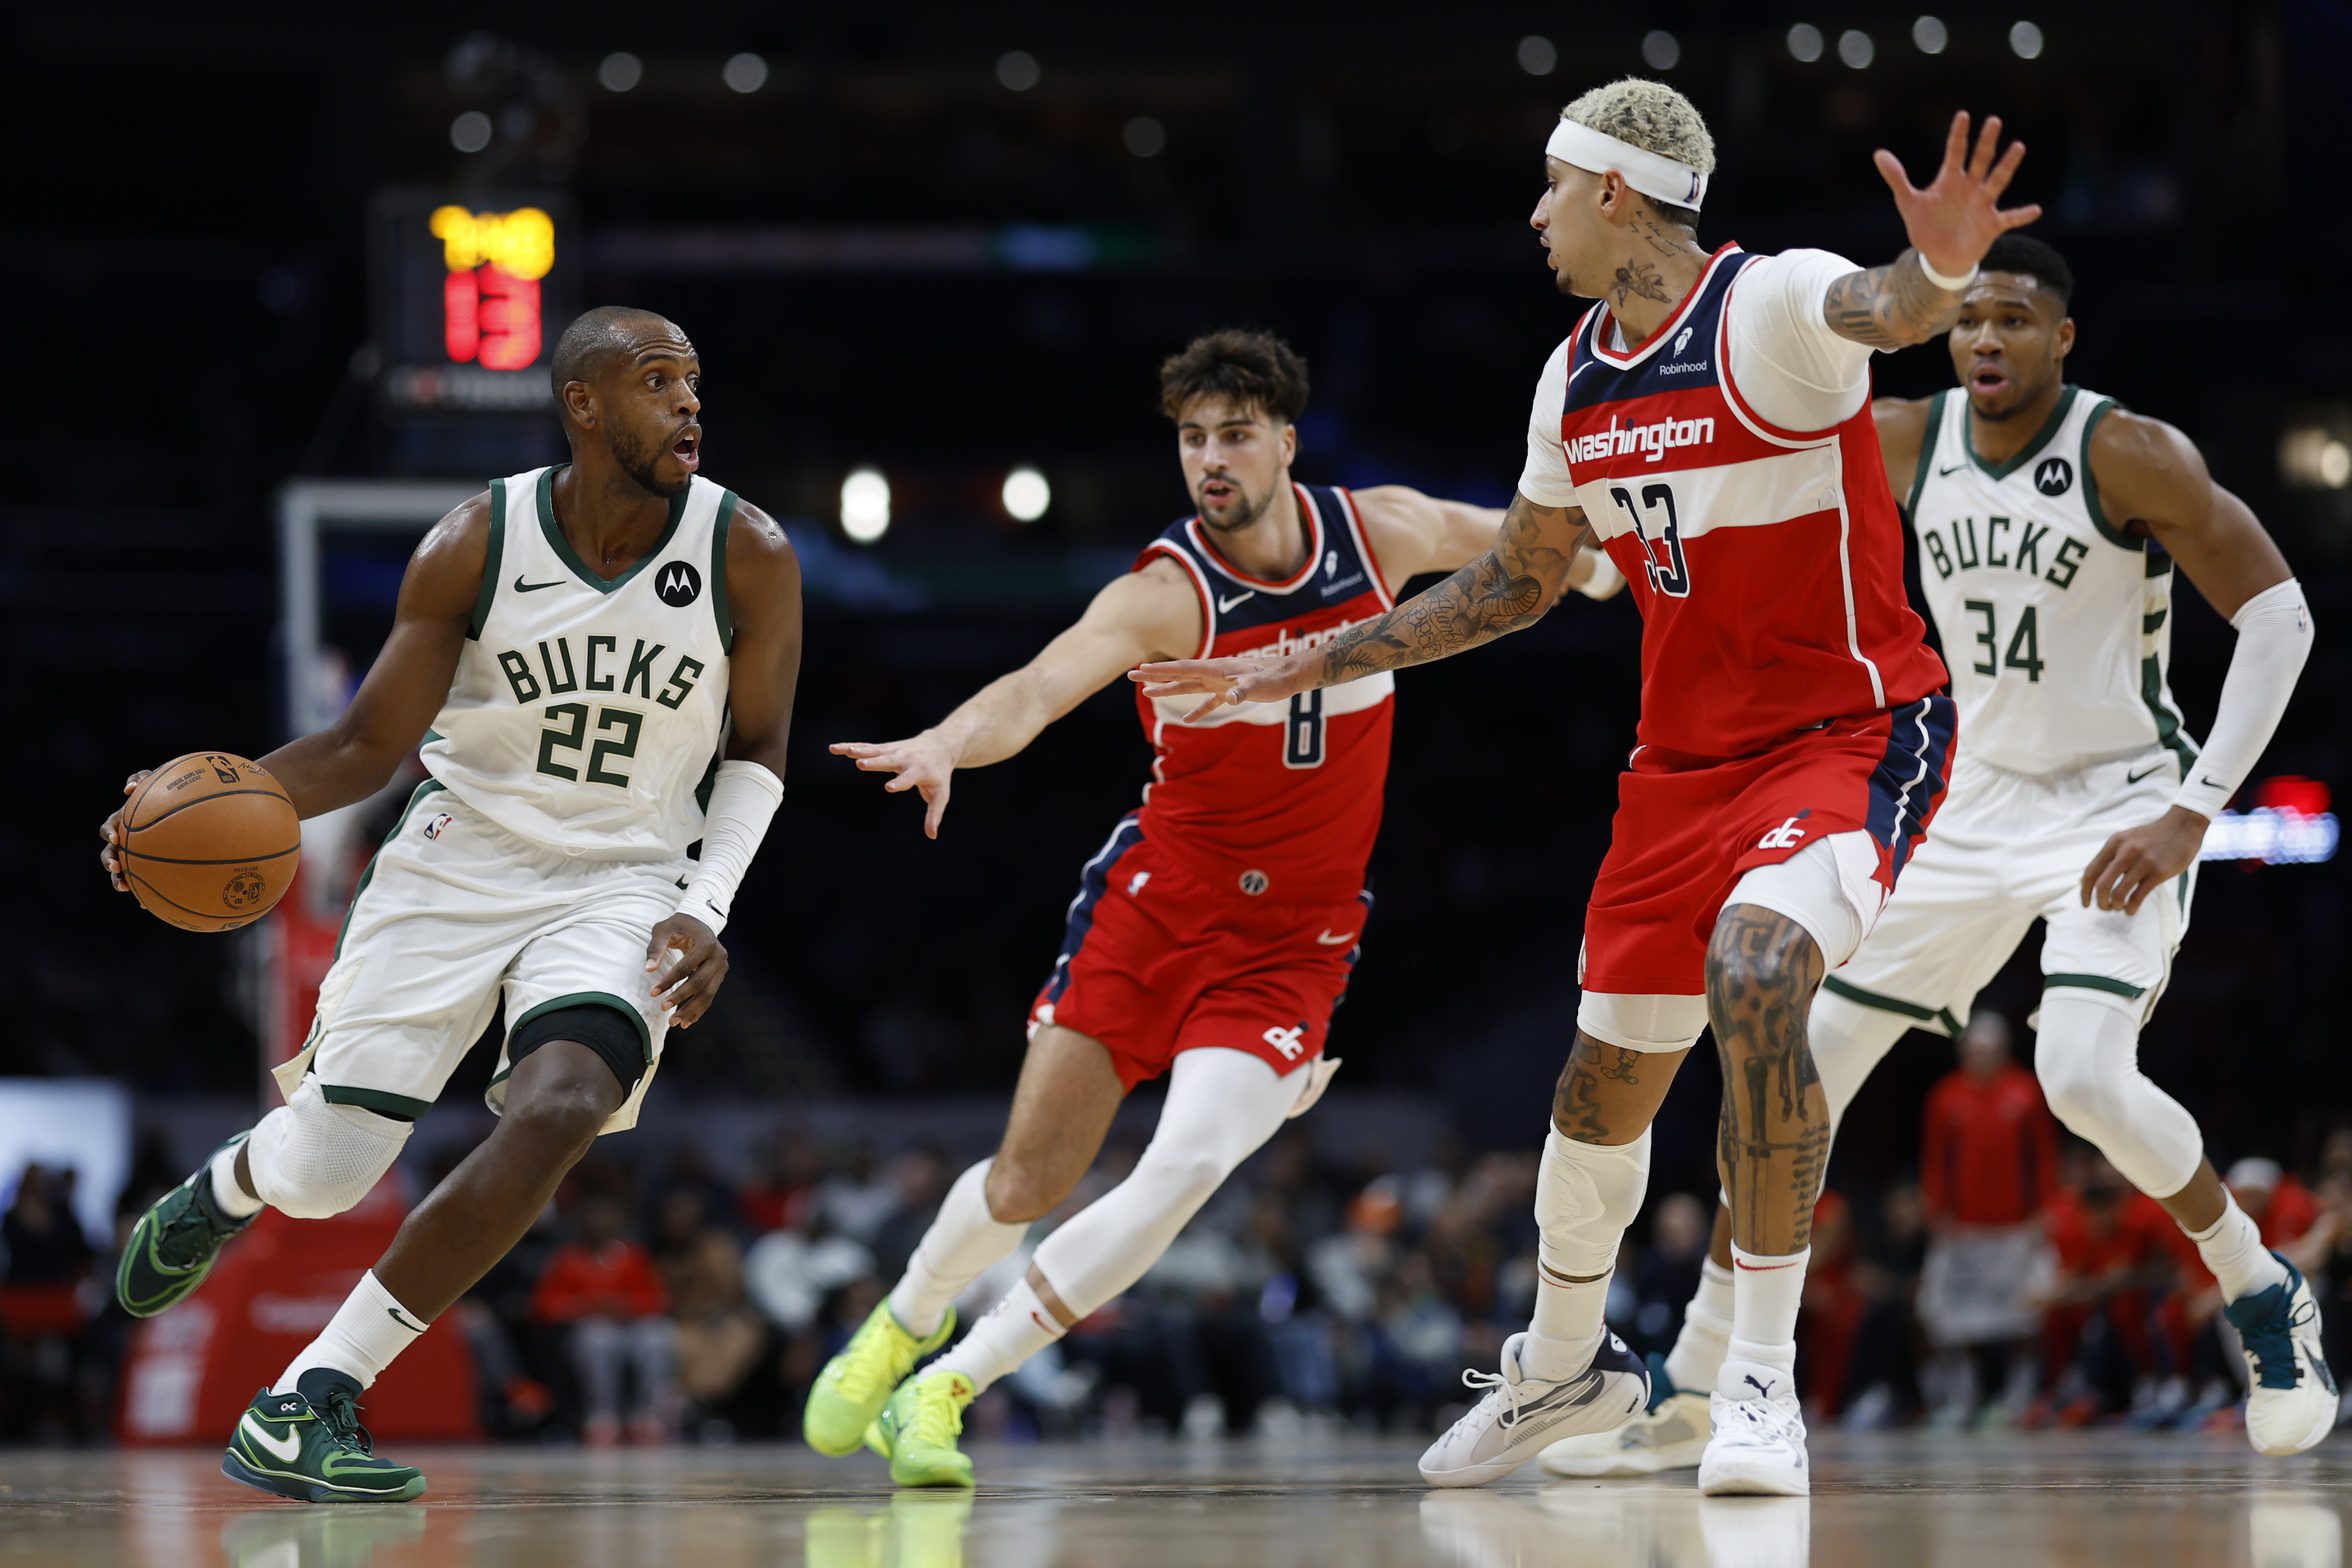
(1649, 115)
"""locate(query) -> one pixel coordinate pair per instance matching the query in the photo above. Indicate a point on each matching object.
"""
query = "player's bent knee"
(1018, 1194)
(1586, 1194)
(564, 1119)
(1188, 1174)
(311, 1159)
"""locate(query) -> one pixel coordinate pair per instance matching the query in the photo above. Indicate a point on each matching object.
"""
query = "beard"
(640, 460)
(1244, 511)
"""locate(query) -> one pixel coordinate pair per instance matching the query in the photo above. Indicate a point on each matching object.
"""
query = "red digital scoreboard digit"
(490, 300)
(469, 296)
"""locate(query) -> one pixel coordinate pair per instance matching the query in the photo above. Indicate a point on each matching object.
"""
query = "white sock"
(1766, 1291)
(2232, 1248)
(1015, 1329)
(227, 1196)
(1706, 1332)
(1566, 1328)
(360, 1340)
(962, 1242)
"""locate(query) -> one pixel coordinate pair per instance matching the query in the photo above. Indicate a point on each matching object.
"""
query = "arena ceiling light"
(1930, 35)
(470, 131)
(1145, 137)
(1537, 55)
(1856, 49)
(745, 73)
(1017, 70)
(865, 505)
(619, 72)
(1661, 50)
(2026, 40)
(2315, 457)
(1804, 43)
(1026, 495)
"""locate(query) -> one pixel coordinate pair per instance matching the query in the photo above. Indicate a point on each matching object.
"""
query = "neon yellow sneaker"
(855, 1384)
(919, 1427)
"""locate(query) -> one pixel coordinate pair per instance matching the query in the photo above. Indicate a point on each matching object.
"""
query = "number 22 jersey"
(1766, 560)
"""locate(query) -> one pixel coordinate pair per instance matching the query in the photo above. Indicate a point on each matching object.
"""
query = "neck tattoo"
(1641, 279)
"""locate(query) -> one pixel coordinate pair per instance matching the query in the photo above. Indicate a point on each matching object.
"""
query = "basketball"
(210, 842)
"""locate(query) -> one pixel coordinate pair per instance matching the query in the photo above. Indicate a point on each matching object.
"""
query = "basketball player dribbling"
(579, 649)
(1213, 933)
(1709, 424)
(2049, 521)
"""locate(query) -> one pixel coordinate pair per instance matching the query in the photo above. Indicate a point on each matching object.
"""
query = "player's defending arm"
(2150, 475)
(763, 671)
(1143, 615)
(1414, 533)
(355, 756)
(1519, 577)
(1951, 224)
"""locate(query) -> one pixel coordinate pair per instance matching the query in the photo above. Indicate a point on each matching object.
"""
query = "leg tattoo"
(1762, 971)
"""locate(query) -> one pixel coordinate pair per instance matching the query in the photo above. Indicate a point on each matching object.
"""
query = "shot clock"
(469, 294)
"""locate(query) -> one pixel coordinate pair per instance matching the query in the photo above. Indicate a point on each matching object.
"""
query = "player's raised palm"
(921, 763)
(1954, 221)
(1227, 683)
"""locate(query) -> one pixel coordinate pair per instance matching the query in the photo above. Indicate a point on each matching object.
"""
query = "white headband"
(1652, 173)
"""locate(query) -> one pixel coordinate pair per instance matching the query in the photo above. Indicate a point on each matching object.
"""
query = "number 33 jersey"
(1767, 562)
(588, 710)
(2057, 624)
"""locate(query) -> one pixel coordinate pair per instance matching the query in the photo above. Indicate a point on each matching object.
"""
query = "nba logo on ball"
(440, 821)
(679, 585)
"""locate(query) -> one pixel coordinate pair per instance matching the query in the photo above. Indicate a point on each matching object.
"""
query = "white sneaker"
(2291, 1394)
(1759, 1442)
(1670, 1435)
(1520, 1414)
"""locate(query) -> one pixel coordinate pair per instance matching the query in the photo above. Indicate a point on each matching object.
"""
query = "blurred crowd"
(2018, 1281)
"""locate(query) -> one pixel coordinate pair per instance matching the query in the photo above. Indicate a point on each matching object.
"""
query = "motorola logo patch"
(2053, 476)
(679, 584)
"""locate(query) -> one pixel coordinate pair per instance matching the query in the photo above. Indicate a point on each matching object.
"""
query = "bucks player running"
(2049, 523)
(1215, 932)
(585, 643)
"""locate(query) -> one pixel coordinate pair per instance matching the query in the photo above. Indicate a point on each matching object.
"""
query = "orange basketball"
(210, 842)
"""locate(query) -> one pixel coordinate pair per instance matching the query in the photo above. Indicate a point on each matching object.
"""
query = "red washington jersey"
(1767, 563)
(1275, 800)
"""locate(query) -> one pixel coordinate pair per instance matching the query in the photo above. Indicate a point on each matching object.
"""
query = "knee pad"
(1585, 1196)
(311, 1159)
(2086, 1054)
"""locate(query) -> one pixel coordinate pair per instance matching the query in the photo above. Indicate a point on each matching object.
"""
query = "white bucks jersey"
(587, 711)
(2057, 625)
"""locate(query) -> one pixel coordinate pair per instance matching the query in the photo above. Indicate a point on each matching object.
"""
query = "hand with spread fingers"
(1229, 682)
(111, 834)
(1954, 221)
(697, 967)
(2138, 861)
(922, 764)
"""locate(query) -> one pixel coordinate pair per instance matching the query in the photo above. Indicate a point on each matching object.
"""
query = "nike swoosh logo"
(1328, 940)
(2211, 782)
(1946, 473)
(2134, 778)
(395, 1314)
(286, 1449)
(524, 587)
(1225, 604)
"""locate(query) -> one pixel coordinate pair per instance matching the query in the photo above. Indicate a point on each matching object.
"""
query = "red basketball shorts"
(1155, 961)
(1688, 828)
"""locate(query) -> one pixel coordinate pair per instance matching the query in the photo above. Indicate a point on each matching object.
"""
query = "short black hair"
(2036, 259)
(594, 336)
(1252, 368)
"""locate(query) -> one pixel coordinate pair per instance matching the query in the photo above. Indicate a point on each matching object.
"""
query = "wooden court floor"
(1915, 1501)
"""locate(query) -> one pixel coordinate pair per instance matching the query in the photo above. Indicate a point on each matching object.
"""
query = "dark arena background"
(282, 284)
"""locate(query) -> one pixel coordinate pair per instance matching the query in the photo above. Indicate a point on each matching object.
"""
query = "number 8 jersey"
(1767, 562)
(587, 711)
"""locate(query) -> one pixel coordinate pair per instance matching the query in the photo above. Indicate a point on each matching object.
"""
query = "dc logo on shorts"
(2053, 476)
(679, 585)
(440, 821)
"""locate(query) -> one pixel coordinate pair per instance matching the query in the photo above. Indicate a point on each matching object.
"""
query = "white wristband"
(1949, 285)
(1603, 580)
(744, 798)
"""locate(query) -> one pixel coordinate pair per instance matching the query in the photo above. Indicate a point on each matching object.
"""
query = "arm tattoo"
(1762, 971)
(1641, 278)
(1576, 1103)
(1509, 587)
(1890, 306)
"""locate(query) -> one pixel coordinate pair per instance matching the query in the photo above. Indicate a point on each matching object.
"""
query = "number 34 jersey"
(588, 710)
(2056, 623)
(1767, 563)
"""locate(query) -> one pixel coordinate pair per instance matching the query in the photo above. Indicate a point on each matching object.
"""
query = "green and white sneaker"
(918, 1429)
(309, 1445)
(175, 1242)
(855, 1384)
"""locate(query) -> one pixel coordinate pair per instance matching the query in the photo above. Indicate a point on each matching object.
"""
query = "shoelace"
(2272, 1349)
(1495, 1382)
(191, 1224)
(342, 1418)
(936, 1417)
(862, 1377)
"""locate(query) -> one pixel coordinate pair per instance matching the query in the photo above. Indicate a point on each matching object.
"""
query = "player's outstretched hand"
(2138, 861)
(110, 834)
(696, 967)
(920, 764)
(1226, 683)
(1956, 219)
